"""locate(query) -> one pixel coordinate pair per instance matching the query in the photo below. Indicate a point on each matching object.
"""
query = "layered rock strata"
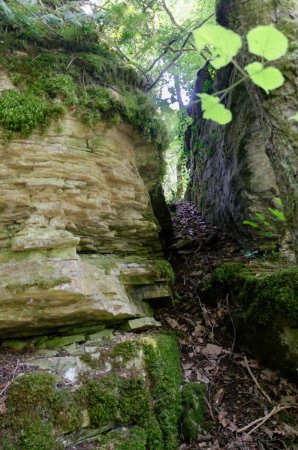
(78, 237)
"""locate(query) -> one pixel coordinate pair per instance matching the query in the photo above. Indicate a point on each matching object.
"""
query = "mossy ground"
(40, 408)
(194, 406)
(265, 309)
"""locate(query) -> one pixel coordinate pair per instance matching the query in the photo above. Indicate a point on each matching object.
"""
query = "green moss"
(51, 82)
(36, 411)
(35, 435)
(126, 350)
(263, 292)
(22, 112)
(193, 403)
(102, 400)
(164, 269)
(134, 439)
(164, 367)
(265, 306)
(44, 284)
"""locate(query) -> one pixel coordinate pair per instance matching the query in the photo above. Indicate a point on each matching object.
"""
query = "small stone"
(62, 341)
(70, 348)
(16, 344)
(144, 323)
(101, 334)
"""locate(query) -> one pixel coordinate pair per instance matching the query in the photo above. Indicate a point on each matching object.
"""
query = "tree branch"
(170, 15)
(180, 52)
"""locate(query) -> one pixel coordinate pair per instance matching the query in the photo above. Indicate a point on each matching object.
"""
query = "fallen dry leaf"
(199, 330)
(217, 399)
(212, 350)
(172, 322)
(187, 366)
(201, 377)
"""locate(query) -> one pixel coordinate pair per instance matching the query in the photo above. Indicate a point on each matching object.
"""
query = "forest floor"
(248, 406)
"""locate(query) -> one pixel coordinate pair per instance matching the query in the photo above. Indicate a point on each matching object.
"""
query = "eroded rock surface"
(242, 168)
(78, 237)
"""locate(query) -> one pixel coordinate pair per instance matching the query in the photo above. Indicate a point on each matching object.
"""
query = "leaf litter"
(240, 392)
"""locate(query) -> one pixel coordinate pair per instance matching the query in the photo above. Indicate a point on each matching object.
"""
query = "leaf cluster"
(221, 46)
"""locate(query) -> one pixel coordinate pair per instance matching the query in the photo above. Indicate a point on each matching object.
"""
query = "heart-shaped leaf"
(214, 110)
(267, 41)
(268, 78)
(223, 44)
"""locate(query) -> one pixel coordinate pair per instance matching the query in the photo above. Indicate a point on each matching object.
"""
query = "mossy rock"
(47, 89)
(265, 309)
(194, 408)
(137, 408)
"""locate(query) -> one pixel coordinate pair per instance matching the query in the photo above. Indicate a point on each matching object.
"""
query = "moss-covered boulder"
(124, 392)
(265, 309)
(194, 409)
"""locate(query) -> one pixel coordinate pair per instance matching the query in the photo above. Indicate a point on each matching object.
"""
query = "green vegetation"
(164, 269)
(194, 406)
(34, 410)
(265, 309)
(223, 45)
(134, 439)
(44, 284)
(49, 86)
(40, 407)
(166, 384)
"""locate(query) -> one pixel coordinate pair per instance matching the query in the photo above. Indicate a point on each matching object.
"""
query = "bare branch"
(180, 52)
(170, 14)
(163, 53)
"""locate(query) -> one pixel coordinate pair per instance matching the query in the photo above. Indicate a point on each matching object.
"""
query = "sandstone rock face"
(78, 237)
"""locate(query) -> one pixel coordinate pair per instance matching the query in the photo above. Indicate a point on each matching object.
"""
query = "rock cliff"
(239, 171)
(78, 236)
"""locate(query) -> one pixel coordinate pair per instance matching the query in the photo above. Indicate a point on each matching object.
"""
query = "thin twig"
(256, 381)
(210, 411)
(9, 382)
(264, 419)
(178, 54)
(71, 61)
(170, 15)
(233, 325)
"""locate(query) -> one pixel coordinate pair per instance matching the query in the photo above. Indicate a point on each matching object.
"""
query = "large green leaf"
(214, 110)
(268, 42)
(223, 44)
(295, 117)
(268, 78)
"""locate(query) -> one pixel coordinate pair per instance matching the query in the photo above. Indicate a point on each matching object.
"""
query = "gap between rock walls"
(232, 400)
